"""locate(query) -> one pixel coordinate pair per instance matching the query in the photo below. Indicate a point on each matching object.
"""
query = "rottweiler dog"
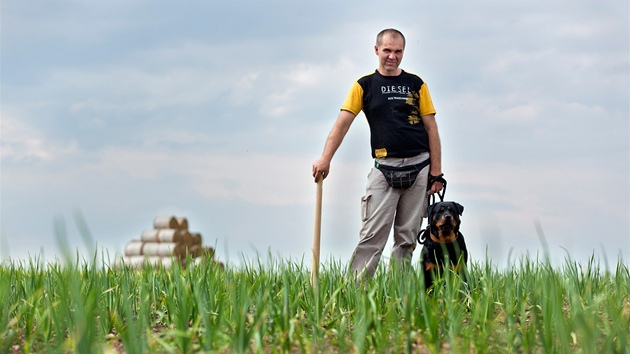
(443, 244)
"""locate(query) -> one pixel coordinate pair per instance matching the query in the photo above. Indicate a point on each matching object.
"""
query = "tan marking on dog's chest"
(449, 238)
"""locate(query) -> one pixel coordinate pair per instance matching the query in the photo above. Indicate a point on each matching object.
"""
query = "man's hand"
(437, 183)
(321, 167)
(436, 187)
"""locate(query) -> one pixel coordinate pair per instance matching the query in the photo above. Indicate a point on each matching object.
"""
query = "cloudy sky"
(115, 112)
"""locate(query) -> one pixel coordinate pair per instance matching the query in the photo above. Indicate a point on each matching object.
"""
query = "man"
(403, 131)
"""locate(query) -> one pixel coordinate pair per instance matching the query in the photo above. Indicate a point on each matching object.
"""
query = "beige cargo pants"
(383, 207)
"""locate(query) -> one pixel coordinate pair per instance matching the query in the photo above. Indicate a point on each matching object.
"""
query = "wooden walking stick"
(317, 232)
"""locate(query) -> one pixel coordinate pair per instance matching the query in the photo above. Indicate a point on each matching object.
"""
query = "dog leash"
(433, 179)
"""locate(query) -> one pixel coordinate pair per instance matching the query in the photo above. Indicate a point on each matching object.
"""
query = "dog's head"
(444, 220)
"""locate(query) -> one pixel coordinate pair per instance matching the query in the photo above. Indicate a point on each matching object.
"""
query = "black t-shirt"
(393, 106)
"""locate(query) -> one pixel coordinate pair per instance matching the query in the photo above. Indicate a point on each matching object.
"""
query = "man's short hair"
(392, 32)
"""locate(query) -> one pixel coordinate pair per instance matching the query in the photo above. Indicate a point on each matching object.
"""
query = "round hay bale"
(169, 235)
(162, 249)
(123, 262)
(201, 261)
(118, 263)
(207, 252)
(154, 261)
(220, 265)
(196, 239)
(194, 251)
(165, 222)
(149, 236)
(186, 238)
(182, 223)
(134, 248)
(166, 262)
(142, 261)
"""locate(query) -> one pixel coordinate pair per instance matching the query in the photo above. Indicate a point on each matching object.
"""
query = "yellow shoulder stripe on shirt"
(354, 99)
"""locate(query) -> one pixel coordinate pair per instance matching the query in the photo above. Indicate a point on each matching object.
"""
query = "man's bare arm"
(321, 167)
(430, 125)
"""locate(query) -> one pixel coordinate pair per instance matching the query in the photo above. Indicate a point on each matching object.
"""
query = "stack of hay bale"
(169, 241)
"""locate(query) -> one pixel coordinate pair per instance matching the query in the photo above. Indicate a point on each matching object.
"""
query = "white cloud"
(119, 89)
(25, 143)
(295, 91)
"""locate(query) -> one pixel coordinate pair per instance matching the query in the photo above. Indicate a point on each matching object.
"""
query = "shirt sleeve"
(354, 99)
(426, 104)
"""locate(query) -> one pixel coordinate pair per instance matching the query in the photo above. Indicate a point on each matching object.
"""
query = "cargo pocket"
(365, 205)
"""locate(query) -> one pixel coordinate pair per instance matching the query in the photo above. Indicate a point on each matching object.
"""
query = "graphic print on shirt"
(412, 102)
(408, 105)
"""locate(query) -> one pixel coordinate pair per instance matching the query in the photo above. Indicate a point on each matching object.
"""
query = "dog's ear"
(460, 208)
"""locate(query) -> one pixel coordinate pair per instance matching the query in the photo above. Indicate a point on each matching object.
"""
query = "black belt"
(418, 166)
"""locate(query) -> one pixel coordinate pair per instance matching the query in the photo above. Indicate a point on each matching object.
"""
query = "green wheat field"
(86, 306)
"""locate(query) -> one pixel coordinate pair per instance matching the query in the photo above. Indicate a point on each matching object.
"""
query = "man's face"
(390, 53)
